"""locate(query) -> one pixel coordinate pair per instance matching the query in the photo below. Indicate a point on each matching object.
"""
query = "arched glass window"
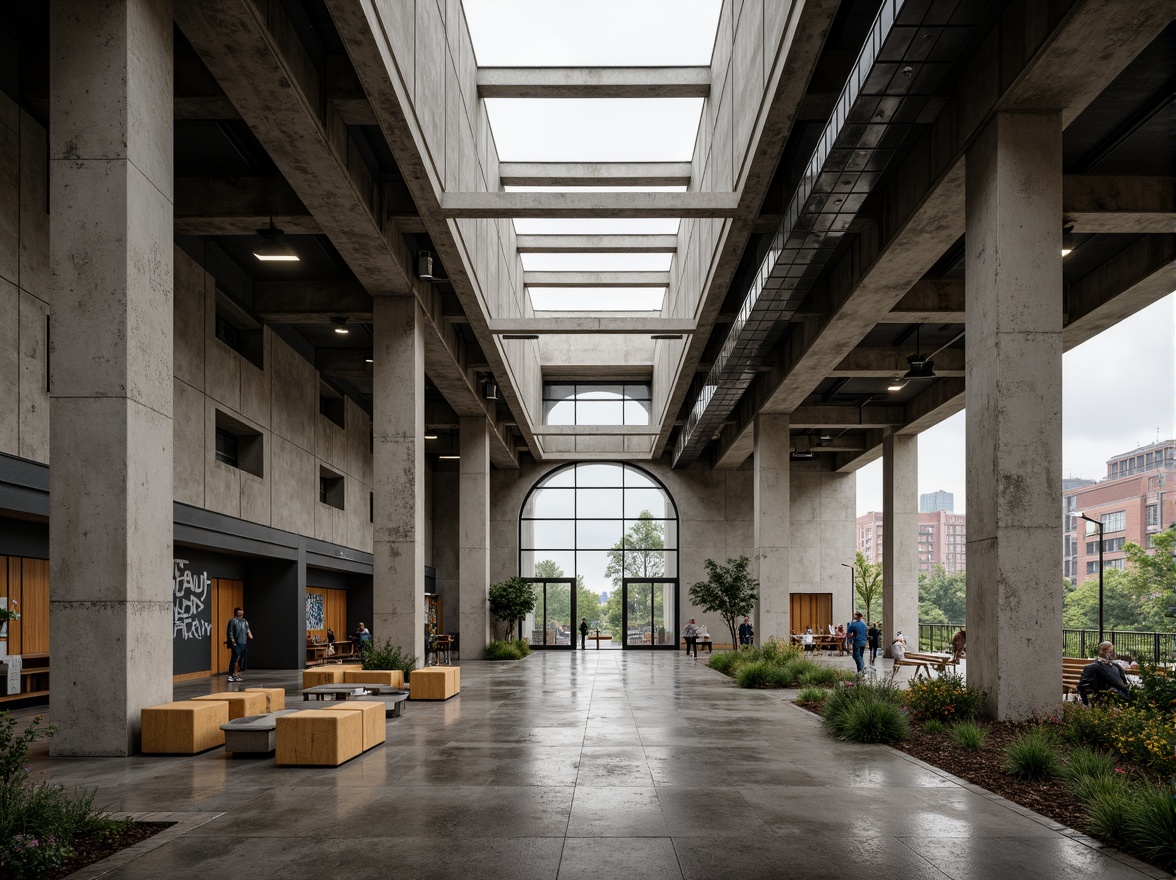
(599, 521)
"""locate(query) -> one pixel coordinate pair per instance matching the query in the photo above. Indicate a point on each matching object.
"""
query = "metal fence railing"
(1146, 647)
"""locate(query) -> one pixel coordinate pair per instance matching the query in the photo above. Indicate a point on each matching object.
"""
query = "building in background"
(1136, 499)
(1070, 536)
(930, 502)
(943, 538)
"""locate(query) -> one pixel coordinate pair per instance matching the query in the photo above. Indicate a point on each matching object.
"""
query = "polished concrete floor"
(593, 764)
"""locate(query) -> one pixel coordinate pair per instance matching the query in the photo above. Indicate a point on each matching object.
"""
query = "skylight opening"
(596, 262)
(597, 299)
(594, 129)
(626, 33)
(597, 226)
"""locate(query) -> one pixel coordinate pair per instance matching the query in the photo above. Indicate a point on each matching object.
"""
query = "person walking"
(584, 634)
(690, 633)
(237, 636)
(856, 634)
(874, 639)
(746, 633)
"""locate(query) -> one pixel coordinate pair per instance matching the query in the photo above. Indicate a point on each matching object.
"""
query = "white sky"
(1119, 389)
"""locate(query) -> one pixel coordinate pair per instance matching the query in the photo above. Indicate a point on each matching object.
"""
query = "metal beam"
(594, 82)
(310, 302)
(594, 173)
(239, 206)
(596, 279)
(582, 325)
(597, 244)
(1119, 204)
(563, 204)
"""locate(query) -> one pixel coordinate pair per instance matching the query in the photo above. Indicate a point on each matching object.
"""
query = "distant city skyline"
(1119, 393)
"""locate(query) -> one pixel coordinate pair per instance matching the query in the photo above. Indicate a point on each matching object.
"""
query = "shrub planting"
(945, 698)
(820, 675)
(762, 674)
(812, 695)
(968, 735)
(1033, 756)
(388, 656)
(1087, 763)
(934, 726)
(513, 649)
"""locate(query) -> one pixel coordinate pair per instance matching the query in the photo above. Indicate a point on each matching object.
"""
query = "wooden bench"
(926, 662)
(372, 720)
(318, 739)
(183, 728)
(599, 639)
(241, 703)
(322, 675)
(435, 682)
(1072, 671)
(275, 698)
(387, 677)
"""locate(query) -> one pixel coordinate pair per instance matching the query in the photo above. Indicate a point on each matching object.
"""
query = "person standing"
(958, 643)
(690, 633)
(237, 636)
(746, 633)
(856, 634)
(874, 639)
(584, 634)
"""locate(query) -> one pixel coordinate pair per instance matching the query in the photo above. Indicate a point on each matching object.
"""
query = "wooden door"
(813, 610)
(25, 584)
(226, 595)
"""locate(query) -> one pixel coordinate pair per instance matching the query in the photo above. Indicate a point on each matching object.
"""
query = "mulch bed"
(88, 850)
(985, 767)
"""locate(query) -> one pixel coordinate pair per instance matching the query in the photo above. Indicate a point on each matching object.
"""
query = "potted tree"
(729, 591)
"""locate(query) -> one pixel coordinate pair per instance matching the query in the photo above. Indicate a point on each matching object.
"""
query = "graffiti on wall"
(190, 596)
(314, 611)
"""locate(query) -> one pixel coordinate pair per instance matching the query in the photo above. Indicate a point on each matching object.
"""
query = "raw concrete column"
(111, 385)
(773, 537)
(900, 536)
(398, 470)
(474, 541)
(1014, 404)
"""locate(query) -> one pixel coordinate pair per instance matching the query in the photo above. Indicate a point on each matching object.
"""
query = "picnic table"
(926, 662)
(391, 697)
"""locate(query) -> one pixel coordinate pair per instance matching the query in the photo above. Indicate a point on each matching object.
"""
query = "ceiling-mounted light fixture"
(803, 449)
(490, 389)
(449, 457)
(340, 325)
(896, 384)
(921, 367)
(666, 336)
(1068, 241)
(273, 247)
(520, 336)
(430, 436)
(425, 267)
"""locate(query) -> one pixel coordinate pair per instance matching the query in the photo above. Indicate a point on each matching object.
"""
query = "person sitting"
(1103, 676)
(898, 647)
(807, 639)
(362, 637)
(840, 636)
(330, 636)
(704, 638)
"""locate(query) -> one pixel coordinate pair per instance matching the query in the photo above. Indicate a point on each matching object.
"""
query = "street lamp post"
(852, 589)
(1099, 525)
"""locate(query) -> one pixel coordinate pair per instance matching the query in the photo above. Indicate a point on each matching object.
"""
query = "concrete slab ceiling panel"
(34, 395)
(190, 443)
(34, 204)
(10, 368)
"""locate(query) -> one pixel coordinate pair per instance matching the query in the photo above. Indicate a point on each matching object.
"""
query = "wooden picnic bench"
(1072, 671)
(926, 662)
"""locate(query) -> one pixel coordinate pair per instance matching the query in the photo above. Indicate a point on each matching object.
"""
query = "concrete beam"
(1119, 204)
(930, 301)
(274, 83)
(571, 205)
(581, 325)
(597, 244)
(594, 173)
(310, 302)
(239, 206)
(847, 416)
(596, 430)
(204, 107)
(584, 82)
(344, 363)
(884, 363)
(596, 279)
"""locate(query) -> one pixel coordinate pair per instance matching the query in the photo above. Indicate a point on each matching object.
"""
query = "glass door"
(650, 612)
(553, 622)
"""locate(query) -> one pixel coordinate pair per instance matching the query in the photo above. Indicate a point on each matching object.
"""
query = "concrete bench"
(388, 677)
(393, 702)
(435, 682)
(253, 734)
(240, 703)
(312, 738)
(183, 728)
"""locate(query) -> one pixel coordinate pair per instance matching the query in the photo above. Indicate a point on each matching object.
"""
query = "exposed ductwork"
(900, 70)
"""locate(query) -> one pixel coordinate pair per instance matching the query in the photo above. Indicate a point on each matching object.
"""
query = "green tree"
(1152, 578)
(558, 601)
(945, 592)
(1121, 607)
(511, 601)
(867, 583)
(729, 591)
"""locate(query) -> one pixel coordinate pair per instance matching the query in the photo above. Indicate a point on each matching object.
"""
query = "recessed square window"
(238, 330)
(239, 446)
(330, 488)
(331, 405)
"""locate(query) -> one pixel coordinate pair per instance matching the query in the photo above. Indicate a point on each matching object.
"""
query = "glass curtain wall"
(599, 523)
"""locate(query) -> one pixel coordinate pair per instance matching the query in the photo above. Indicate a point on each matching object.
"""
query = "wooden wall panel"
(34, 606)
(334, 612)
(811, 610)
(226, 595)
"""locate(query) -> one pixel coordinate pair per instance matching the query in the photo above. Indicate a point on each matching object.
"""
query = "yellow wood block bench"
(322, 675)
(240, 703)
(316, 738)
(183, 728)
(390, 677)
(434, 682)
(275, 698)
(374, 725)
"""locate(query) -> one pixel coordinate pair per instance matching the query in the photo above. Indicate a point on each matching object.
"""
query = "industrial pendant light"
(273, 247)
(921, 367)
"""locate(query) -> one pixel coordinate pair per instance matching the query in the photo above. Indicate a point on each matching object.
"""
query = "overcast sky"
(1119, 388)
